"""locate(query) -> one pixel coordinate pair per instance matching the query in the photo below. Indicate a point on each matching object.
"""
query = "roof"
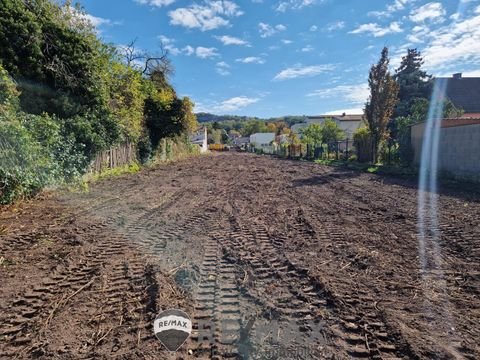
(454, 122)
(341, 117)
(263, 134)
(241, 140)
(464, 93)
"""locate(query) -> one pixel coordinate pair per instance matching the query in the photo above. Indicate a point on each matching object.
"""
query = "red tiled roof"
(460, 122)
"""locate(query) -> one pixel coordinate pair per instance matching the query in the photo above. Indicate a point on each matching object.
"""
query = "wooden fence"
(121, 155)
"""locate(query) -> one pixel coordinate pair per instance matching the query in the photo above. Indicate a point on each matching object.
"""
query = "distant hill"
(207, 117)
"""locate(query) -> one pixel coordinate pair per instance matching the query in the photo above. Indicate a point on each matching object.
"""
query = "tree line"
(65, 95)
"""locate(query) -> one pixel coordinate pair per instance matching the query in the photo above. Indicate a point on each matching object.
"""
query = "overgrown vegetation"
(67, 95)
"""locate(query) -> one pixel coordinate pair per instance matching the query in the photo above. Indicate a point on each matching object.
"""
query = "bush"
(8, 92)
(24, 168)
(363, 143)
(35, 152)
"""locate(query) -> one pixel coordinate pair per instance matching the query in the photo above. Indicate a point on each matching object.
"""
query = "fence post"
(346, 150)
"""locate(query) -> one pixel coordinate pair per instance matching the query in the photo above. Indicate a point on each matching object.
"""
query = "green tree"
(331, 132)
(412, 81)
(312, 134)
(253, 127)
(381, 103)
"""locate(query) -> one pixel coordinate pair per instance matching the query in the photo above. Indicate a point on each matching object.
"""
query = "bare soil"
(273, 259)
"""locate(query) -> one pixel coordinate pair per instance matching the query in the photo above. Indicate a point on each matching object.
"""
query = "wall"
(459, 149)
(262, 139)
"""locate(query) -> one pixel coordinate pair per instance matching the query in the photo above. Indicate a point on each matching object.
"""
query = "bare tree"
(131, 55)
(153, 64)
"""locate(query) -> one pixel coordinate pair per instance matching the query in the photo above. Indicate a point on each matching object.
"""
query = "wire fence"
(335, 150)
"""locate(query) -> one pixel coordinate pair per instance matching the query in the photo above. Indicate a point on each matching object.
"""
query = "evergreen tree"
(413, 82)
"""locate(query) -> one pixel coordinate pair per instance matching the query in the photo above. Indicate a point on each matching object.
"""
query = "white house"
(348, 123)
(260, 140)
(200, 139)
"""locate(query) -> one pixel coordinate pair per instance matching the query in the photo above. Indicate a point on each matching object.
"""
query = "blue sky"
(290, 57)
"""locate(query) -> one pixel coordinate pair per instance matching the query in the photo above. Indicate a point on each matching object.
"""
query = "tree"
(272, 127)
(253, 127)
(413, 82)
(418, 112)
(381, 103)
(331, 132)
(362, 141)
(312, 134)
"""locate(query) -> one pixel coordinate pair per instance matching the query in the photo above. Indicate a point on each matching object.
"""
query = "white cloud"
(211, 15)
(230, 40)
(472, 73)
(308, 48)
(303, 71)
(313, 28)
(97, 21)
(234, 104)
(337, 25)
(286, 41)
(222, 68)
(392, 8)
(418, 34)
(206, 53)
(267, 30)
(251, 60)
(157, 3)
(355, 94)
(453, 45)
(223, 64)
(188, 50)
(200, 51)
(376, 30)
(168, 44)
(433, 11)
(293, 4)
(81, 18)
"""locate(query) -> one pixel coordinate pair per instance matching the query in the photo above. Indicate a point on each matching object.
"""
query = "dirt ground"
(272, 259)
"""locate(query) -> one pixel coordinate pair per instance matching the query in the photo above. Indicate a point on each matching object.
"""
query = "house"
(464, 92)
(200, 139)
(348, 123)
(259, 140)
(241, 141)
(458, 146)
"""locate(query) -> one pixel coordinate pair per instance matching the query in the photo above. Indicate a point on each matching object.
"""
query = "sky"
(290, 57)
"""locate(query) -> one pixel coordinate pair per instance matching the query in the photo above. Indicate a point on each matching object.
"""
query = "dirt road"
(273, 259)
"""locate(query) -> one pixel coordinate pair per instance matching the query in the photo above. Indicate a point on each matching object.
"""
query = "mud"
(273, 259)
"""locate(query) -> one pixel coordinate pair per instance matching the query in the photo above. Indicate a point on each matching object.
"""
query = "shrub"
(363, 143)
(8, 92)
(35, 151)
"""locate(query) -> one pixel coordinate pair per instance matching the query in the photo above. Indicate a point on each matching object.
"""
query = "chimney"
(457, 76)
(344, 114)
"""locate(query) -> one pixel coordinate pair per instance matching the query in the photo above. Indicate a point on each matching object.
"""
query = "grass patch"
(372, 169)
(120, 170)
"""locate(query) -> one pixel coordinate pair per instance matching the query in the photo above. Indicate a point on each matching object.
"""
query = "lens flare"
(429, 235)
